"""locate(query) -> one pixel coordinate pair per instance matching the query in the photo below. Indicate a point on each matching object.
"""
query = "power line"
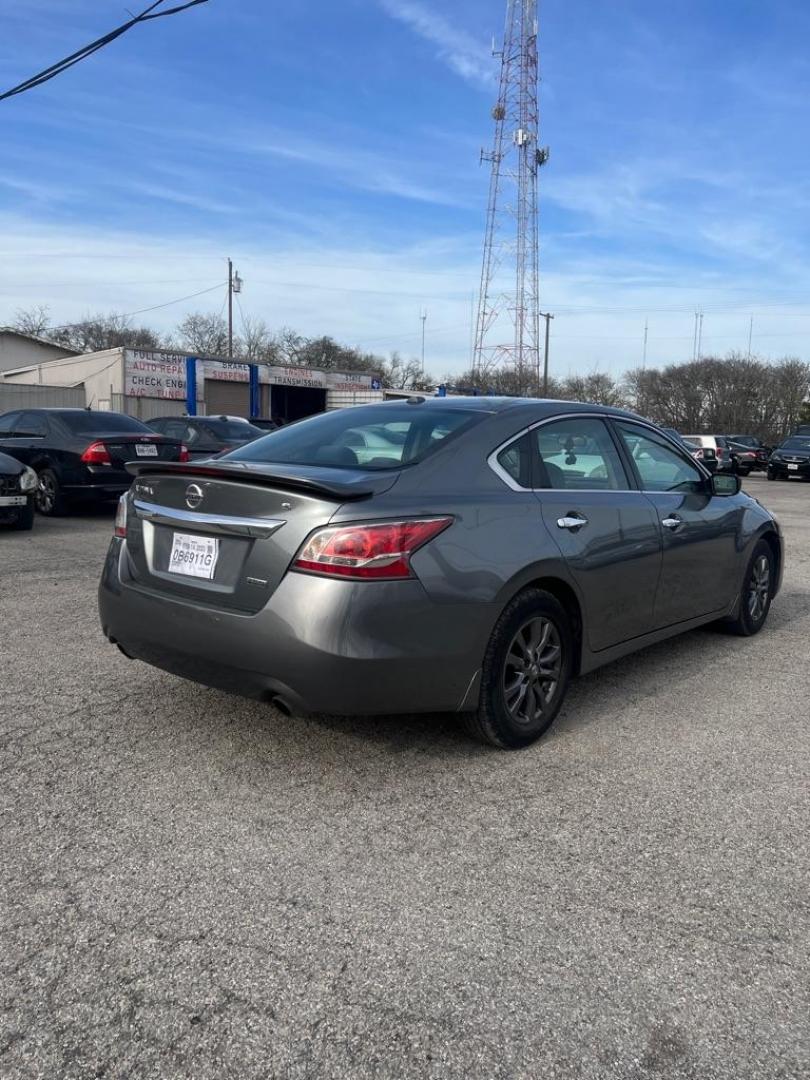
(94, 46)
(143, 311)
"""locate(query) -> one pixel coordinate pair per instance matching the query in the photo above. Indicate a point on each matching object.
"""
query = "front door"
(698, 530)
(606, 531)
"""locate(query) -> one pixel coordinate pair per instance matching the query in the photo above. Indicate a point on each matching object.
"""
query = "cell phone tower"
(508, 324)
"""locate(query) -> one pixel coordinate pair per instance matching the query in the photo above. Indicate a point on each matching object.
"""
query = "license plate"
(146, 450)
(194, 556)
(13, 500)
(793, 468)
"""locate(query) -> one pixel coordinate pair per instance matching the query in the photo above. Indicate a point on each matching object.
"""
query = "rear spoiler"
(271, 476)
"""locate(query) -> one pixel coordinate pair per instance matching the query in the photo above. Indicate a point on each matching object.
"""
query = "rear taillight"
(120, 529)
(184, 454)
(368, 551)
(96, 454)
(719, 451)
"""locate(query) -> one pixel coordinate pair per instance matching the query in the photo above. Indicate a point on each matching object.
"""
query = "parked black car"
(80, 455)
(18, 485)
(792, 458)
(206, 436)
(751, 444)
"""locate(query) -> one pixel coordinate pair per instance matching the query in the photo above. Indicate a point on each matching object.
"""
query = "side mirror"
(725, 484)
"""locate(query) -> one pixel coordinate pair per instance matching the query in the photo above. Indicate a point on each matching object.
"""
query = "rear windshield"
(368, 437)
(798, 443)
(232, 429)
(96, 423)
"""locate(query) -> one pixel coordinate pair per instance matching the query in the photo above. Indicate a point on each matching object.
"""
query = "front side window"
(368, 437)
(578, 454)
(7, 422)
(32, 425)
(659, 466)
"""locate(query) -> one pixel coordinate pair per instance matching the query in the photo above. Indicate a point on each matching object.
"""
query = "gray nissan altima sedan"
(465, 554)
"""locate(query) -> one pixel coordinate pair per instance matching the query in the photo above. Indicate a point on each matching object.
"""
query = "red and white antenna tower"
(508, 325)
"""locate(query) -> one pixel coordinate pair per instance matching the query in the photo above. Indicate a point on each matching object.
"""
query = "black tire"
(743, 470)
(25, 518)
(771, 475)
(756, 592)
(50, 498)
(526, 672)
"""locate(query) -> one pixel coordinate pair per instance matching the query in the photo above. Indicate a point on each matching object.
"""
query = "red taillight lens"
(96, 454)
(120, 529)
(719, 451)
(368, 551)
(184, 454)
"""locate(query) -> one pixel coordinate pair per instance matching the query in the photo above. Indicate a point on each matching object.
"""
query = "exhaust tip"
(281, 704)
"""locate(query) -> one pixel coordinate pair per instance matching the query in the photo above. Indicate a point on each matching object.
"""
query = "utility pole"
(230, 308)
(508, 324)
(750, 335)
(548, 317)
(700, 336)
(423, 317)
(644, 355)
(234, 286)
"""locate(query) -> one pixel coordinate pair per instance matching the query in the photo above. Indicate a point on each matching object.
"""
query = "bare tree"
(34, 321)
(203, 334)
(401, 374)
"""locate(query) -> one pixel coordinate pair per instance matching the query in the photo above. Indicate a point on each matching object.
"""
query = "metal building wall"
(35, 396)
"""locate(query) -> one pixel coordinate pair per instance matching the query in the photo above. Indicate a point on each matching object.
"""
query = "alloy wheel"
(46, 494)
(532, 670)
(759, 587)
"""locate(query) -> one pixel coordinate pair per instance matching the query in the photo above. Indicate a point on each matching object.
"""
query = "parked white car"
(718, 443)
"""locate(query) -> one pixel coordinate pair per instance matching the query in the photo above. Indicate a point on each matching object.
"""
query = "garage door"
(228, 398)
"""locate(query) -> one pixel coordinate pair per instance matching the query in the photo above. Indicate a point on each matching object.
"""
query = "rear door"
(699, 531)
(606, 530)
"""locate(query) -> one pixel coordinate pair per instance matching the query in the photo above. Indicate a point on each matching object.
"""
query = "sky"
(331, 148)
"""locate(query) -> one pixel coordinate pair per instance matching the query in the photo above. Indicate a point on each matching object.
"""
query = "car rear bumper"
(781, 468)
(322, 646)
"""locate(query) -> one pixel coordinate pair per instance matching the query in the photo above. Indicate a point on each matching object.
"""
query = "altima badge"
(194, 496)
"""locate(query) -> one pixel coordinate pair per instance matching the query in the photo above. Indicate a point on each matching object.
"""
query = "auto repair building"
(148, 384)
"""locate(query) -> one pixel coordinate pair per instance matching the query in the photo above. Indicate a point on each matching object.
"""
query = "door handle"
(572, 522)
(671, 522)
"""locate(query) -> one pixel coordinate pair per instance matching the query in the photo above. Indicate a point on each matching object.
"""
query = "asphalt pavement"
(194, 886)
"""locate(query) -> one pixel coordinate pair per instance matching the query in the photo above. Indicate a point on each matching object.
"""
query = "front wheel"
(743, 470)
(526, 671)
(757, 592)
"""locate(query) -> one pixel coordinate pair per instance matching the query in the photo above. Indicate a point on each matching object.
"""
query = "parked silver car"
(470, 554)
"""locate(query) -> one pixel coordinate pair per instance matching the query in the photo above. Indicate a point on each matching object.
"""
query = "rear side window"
(578, 454)
(96, 423)
(516, 461)
(367, 437)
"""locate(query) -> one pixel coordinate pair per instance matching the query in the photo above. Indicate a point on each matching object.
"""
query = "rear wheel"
(757, 592)
(25, 518)
(527, 668)
(50, 498)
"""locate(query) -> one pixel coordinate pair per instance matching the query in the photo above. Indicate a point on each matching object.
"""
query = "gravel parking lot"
(195, 886)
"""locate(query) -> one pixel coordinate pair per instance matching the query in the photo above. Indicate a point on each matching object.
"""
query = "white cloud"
(458, 49)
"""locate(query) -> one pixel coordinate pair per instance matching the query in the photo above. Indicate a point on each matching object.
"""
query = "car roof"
(507, 404)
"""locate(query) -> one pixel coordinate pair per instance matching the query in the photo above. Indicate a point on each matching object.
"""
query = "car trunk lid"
(225, 534)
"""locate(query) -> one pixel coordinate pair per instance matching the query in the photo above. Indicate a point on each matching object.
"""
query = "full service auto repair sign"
(158, 375)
